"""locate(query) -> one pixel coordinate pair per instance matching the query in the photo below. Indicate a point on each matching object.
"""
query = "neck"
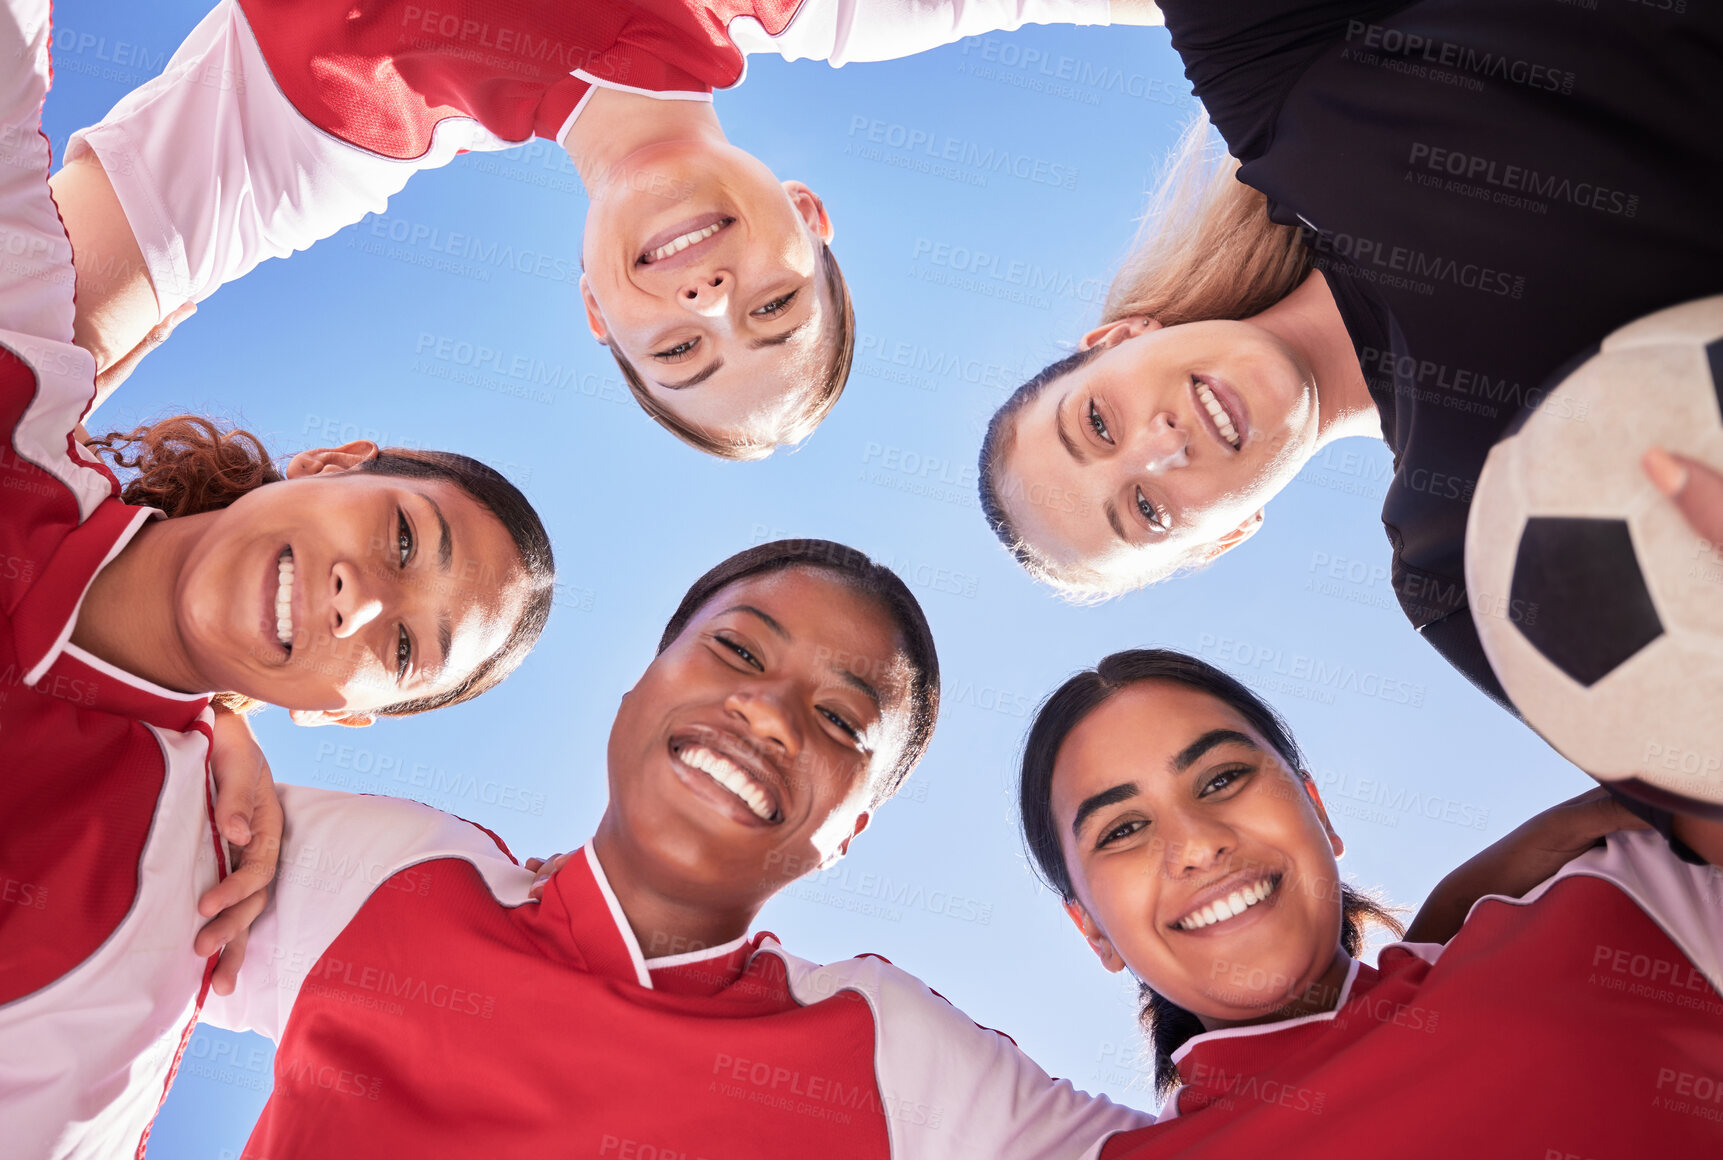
(666, 918)
(1321, 995)
(127, 617)
(1309, 321)
(615, 125)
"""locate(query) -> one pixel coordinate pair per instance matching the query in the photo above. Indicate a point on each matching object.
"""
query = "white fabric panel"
(36, 277)
(337, 848)
(842, 31)
(216, 170)
(84, 1061)
(951, 1089)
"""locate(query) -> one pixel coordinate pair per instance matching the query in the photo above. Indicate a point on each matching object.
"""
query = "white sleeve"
(841, 31)
(216, 170)
(336, 850)
(953, 1090)
(35, 256)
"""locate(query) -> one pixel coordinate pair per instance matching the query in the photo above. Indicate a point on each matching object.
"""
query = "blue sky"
(966, 278)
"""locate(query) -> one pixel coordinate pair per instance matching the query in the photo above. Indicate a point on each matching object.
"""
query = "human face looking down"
(1119, 468)
(398, 589)
(730, 332)
(1166, 801)
(792, 688)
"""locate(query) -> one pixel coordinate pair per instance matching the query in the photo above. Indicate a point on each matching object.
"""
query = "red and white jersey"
(424, 1006)
(1583, 1020)
(279, 122)
(105, 837)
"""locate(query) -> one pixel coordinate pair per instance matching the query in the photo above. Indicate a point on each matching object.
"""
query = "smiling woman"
(1168, 807)
(359, 582)
(353, 583)
(795, 687)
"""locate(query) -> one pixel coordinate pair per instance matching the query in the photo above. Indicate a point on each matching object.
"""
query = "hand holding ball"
(1598, 604)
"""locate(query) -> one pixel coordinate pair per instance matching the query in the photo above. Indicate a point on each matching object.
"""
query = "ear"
(351, 718)
(594, 320)
(1310, 790)
(331, 460)
(1093, 935)
(844, 846)
(1113, 333)
(1237, 536)
(810, 209)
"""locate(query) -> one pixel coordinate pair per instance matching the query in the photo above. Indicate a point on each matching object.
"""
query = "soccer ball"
(1599, 608)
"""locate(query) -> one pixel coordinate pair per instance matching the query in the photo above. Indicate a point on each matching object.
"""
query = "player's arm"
(248, 815)
(1532, 853)
(117, 309)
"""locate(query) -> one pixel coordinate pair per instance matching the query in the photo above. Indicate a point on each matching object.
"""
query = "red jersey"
(1581, 1021)
(279, 122)
(424, 1006)
(105, 835)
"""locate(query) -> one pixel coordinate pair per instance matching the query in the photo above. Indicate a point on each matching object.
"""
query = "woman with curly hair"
(353, 583)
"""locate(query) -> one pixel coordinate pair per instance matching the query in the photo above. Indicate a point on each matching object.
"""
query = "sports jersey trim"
(63, 641)
(1265, 1028)
(655, 94)
(574, 115)
(664, 962)
(641, 974)
(132, 679)
(1622, 844)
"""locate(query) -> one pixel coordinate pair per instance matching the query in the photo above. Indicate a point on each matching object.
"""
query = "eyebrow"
(767, 620)
(1101, 801)
(446, 545)
(697, 379)
(1072, 447)
(780, 339)
(858, 682)
(1112, 510)
(1189, 755)
(445, 557)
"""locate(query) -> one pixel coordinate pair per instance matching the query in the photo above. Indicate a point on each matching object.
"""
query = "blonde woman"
(1427, 211)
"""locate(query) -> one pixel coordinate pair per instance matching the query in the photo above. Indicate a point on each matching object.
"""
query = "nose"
(1162, 444)
(766, 711)
(708, 293)
(353, 607)
(1197, 845)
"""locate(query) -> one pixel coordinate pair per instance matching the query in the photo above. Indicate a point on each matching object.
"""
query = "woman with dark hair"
(353, 583)
(1169, 808)
(1426, 211)
(408, 975)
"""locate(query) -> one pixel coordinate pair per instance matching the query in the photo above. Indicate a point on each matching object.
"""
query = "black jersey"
(1490, 188)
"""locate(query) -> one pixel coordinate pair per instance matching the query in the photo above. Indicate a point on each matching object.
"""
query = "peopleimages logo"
(1522, 179)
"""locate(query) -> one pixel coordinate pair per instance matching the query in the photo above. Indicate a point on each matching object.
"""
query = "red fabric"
(82, 773)
(441, 1023)
(1572, 1027)
(381, 74)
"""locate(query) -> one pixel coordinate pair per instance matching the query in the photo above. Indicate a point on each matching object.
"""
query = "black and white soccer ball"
(1599, 608)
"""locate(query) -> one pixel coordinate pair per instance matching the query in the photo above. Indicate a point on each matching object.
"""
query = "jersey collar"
(1216, 1065)
(601, 931)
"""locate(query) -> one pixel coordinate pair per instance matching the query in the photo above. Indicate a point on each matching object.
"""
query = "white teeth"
(729, 775)
(1232, 905)
(284, 598)
(677, 245)
(1218, 413)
